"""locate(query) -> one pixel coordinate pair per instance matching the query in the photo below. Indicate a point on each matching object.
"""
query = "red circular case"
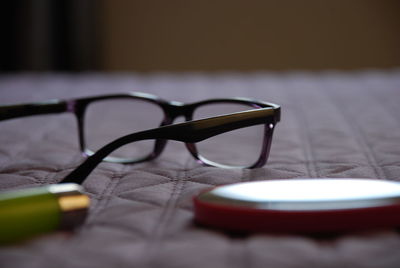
(229, 213)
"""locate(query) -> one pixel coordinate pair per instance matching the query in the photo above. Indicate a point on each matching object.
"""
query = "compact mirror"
(301, 205)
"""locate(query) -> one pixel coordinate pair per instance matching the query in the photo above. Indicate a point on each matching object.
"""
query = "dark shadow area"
(48, 35)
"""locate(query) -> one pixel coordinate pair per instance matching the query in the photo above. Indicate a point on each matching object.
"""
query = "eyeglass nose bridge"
(175, 109)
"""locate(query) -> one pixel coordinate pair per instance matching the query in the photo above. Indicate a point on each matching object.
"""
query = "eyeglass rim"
(171, 109)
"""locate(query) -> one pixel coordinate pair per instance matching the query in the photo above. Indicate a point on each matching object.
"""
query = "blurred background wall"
(157, 35)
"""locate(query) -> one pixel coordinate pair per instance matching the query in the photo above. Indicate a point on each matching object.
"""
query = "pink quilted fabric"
(333, 125)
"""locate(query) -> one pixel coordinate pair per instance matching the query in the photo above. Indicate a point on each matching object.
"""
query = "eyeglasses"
(191, 133)
(231, 132)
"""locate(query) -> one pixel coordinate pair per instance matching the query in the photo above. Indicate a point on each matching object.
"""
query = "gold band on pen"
(72, 202)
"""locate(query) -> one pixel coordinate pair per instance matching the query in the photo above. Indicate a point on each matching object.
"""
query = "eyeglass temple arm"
(190, 132)
(22, 110)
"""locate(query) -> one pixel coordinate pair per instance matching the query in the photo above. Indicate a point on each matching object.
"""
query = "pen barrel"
(31, 212)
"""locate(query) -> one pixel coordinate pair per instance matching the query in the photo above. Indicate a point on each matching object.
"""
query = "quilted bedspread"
(334, 124)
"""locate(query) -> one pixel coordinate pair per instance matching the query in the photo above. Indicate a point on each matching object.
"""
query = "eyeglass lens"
(107, 120)
(241, 147)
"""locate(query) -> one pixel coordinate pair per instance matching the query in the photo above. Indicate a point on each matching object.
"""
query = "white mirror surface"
(307, 194)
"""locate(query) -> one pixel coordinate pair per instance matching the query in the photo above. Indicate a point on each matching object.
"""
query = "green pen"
(30, 212)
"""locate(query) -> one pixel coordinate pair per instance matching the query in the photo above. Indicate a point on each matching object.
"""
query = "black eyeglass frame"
(188, 132)
(171, 110)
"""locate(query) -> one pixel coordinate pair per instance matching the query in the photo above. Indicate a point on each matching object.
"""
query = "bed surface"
(333, 125)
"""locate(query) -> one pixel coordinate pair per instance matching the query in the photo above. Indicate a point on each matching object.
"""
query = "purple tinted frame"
(189, 132)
